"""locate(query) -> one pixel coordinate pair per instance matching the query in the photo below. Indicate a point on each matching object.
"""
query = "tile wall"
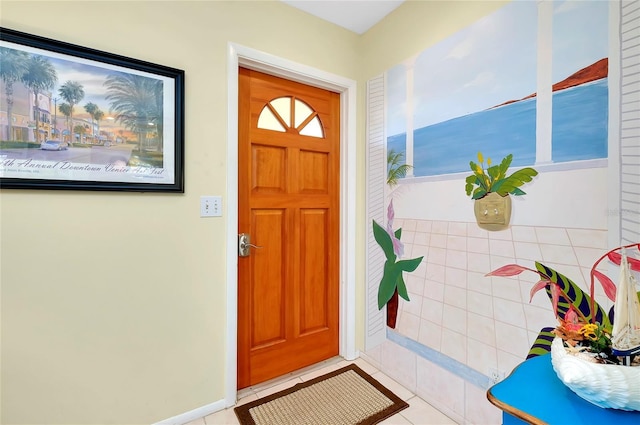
(481, 322)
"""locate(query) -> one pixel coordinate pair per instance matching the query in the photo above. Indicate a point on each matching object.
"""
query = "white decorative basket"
(605, 385)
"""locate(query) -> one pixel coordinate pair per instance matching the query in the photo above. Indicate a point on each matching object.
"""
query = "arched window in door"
(288, 114)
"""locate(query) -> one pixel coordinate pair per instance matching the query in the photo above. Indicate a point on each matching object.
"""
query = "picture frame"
(76, 118)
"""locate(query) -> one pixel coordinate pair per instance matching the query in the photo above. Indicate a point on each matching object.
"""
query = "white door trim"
(264, 62)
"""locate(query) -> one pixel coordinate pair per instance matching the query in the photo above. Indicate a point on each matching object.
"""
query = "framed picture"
(72, 117)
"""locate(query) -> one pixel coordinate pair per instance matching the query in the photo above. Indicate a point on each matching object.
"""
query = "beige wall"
(113, 303)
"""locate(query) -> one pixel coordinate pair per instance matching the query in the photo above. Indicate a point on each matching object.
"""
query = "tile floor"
(419, 411)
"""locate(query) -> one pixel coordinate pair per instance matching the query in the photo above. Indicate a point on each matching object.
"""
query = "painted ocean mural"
(579, 133)
(445, 94)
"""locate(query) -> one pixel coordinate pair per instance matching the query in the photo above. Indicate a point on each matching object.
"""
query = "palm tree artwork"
(13, 65)
(91, 109)
(39, 76)
(396, 168)
(72, 92)
(65, 109)
(98, 115)
(138, 104)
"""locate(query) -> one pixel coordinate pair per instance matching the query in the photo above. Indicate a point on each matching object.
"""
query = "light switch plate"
(210, 206)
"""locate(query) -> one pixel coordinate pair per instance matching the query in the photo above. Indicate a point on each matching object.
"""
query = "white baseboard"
(194, 414)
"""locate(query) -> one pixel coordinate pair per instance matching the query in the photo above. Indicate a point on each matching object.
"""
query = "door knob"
(244, 243)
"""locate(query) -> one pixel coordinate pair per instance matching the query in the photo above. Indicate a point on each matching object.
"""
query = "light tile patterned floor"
(419, 411)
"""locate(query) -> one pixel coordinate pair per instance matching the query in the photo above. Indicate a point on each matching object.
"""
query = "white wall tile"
(454, 318)
(477, 281)
(552, 235)
(421, 238)
(409, 225)
(456, 259)
(415, 284)
(481, 356)
(478, 410)
(477, 262)
(455, 277)
(458, 243)
(588, 238)
(479, 303)
(437, 255)
(511, 312)
(414, 306)
(512, 339)
(423, 226)
(441, 227)
(438, 240)
(479, 245)
(432, 310)
(481, 328)
(455, 296)
(504, 235)
(507, 361)
(408, 325)
(457, 228)
(558, 253)
(440, 386)
(527, 251)
(407, 236)
(588, 256)
(434, 290)
(400, 364)
(502, 248)
(538, 318)
(435, 272)
(454, 345)
(524, 234)
(476, 232)
(430, 334)
(506, 288)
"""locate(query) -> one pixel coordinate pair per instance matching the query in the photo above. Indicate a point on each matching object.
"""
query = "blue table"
(533, 394)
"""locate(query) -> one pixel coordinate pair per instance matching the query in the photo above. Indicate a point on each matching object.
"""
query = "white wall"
(575, 198)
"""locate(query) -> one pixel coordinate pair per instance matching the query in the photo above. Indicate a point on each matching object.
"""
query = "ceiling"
(355, 15)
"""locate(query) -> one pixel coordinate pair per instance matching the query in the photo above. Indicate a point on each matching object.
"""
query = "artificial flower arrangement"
(587, 335)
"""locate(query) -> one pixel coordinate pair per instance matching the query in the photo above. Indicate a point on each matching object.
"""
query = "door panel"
(268, 298)
(288, 191)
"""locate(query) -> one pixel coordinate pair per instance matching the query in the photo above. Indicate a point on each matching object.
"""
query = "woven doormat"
(347, 396)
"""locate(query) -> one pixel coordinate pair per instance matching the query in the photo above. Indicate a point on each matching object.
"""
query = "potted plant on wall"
(490, 189)
(392, 284)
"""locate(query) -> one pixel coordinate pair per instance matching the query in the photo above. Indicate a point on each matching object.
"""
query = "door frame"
(238, 55)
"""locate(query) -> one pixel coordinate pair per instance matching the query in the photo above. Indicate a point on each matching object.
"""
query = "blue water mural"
(579, 132)
(579, 125)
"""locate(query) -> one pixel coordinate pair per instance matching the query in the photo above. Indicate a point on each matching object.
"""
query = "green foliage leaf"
(392, 279)
(505, 164)
(402, 288)
(515, 180)
(388, 283)
(478, 193)
(580, 300)
(398, 233)
(384, 240)
(409, 265)
(542, 344)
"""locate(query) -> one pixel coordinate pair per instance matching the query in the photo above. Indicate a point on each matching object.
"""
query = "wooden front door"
(288, 183)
